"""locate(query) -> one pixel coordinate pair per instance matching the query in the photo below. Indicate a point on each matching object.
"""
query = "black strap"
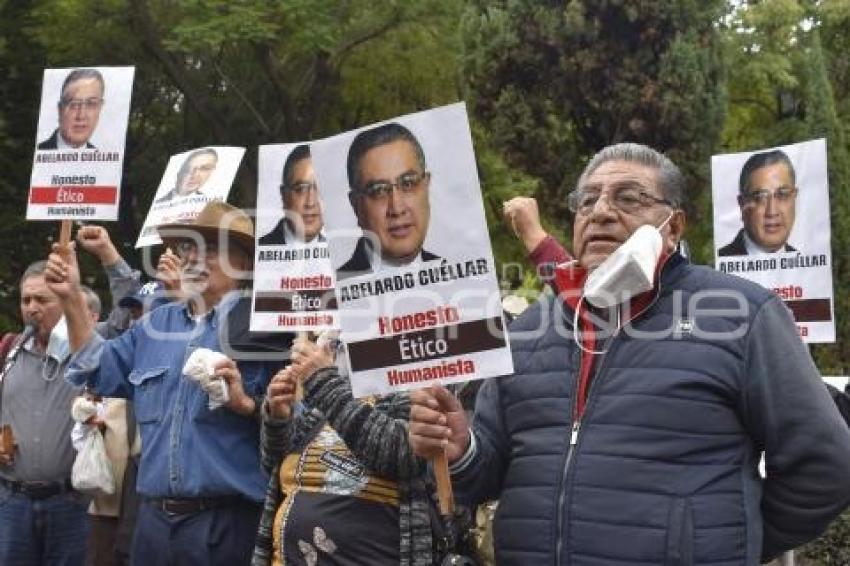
(131, 425)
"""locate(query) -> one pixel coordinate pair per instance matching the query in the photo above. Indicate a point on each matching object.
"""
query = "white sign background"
(75, 202)
(186, 208)
(268, 275)
(787, 272)
(457, 234)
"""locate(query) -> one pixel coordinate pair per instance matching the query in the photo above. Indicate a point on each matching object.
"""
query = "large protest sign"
(293, 276)
(771, 226)
(416, 283)
(79, 152)
(191, 180)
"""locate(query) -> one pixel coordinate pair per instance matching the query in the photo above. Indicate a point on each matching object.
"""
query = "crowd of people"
(630, 432)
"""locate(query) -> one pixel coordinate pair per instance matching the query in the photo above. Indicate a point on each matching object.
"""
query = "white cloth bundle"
(200, 368)
(83, 409)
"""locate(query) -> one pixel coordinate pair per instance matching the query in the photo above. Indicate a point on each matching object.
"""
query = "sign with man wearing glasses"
(293, 276)
(782, 199)
(417, 292)
(77, 165)
(191, 180)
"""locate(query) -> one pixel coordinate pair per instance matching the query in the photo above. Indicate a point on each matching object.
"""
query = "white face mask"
(627, 272)
(58, 345)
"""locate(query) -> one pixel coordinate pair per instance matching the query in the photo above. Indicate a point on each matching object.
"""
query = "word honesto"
(418, 320)
(789, 292)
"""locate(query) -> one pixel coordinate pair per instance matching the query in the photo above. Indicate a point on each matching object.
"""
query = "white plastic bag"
(92, 471)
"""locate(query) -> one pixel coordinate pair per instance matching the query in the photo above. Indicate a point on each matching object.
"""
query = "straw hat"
(215, 218)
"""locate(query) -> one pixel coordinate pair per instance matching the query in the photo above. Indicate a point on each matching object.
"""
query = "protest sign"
(416, 282)
(191, 180)
(771, 226)
(79, 155)
(293, 276)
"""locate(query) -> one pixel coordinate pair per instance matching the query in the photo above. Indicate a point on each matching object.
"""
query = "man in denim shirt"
(200, 471)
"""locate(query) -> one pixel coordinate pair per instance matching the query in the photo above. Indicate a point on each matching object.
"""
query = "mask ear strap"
(661, 226)
(576, 330)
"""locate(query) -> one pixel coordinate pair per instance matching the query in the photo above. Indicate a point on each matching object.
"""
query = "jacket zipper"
(575, 429)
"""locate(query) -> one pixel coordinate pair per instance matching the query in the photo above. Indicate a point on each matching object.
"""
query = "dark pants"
(42, 532)
(221, 536)
(101, 548)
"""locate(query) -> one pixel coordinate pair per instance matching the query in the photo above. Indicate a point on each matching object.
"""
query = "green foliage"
(832, 549)
(553, 83)
(243, 72)
(822, 121)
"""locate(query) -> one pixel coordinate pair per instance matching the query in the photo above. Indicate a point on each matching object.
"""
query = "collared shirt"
(188, 450)
(62, 144)
(380, 262)
(292, 238)
(753, 248)
(36, 402)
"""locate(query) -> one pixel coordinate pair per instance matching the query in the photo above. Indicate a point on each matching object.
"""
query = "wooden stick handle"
(65, 238)
(65, 233)
(444, 484)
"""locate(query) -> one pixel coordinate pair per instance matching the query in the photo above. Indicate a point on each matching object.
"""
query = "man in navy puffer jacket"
(642, 446)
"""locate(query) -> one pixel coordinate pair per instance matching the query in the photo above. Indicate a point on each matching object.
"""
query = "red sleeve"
(546, 256)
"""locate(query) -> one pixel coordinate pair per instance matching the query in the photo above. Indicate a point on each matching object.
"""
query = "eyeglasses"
(300, 188)
(406, 183)
(77, 104)
(760, 197)
(626, 199)
(185, 248)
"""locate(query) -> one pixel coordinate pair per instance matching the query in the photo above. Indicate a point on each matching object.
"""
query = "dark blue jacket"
(664, 465)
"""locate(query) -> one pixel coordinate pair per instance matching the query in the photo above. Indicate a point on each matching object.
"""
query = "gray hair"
(670, 178)
(79, 75)
(376, 137)
(92, 300)
(36, 269)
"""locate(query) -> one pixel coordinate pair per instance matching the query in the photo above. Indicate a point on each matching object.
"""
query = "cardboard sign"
(79, 153)
(416, 284)
(293, 276)
(771, 226)
(191, 180)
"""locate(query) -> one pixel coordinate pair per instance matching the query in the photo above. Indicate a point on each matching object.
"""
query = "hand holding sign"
(62, 272)
(168, 270)
(438, 423)
(280, 395)
(308, 358)
(439, 430)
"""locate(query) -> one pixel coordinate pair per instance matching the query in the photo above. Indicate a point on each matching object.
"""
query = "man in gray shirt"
(42, 519)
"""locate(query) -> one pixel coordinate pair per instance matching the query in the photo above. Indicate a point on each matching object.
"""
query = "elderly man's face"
(301, 198)
(602, 229)
(39, 305)
(196, 173)
(79, 110)
(208, 269)
(768, 220)
(400, 218)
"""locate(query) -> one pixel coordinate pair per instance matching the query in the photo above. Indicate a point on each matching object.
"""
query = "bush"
(832, 548)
